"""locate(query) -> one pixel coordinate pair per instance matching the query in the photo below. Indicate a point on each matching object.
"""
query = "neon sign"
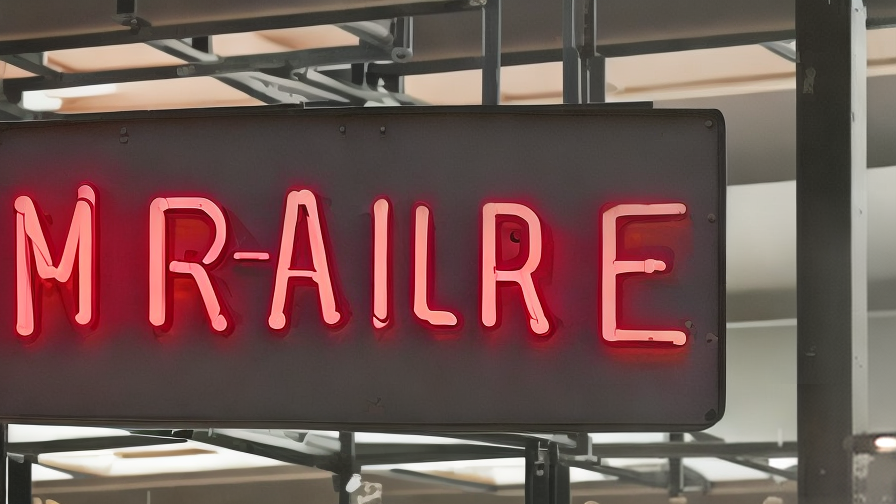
(302, 209)
(544, 261)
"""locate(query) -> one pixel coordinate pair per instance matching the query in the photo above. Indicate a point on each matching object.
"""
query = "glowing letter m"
(33, 254)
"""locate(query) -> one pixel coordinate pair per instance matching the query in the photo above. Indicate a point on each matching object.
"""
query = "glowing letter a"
(31, 243)
(320, 272)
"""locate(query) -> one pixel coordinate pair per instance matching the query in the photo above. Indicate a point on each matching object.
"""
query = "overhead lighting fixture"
(51, 100)
(40, 102)
(885, 443)
(82, 91)
(160, 453)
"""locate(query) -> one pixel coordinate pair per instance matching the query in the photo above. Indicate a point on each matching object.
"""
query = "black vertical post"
(587, 49)
(491, 52)
(359, 73)
(572, 67)
(5, 462)
(831, 246)
(126, 6)
(593, 65)
(558, 476)
(538, 489)
(597, 79)
(676, 469)
(403, 47)
(596, 63)
(19, 481)
(203, 44)
(347, 465)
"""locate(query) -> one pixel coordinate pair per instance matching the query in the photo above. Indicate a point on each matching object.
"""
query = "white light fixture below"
(82, 91)
(885, 443)
(51, 100)
(184, 457)
(783, 462)
(41, 473)
(39, 102)
(21, 433)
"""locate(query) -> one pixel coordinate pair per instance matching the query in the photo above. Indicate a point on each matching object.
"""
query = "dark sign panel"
(535, 268)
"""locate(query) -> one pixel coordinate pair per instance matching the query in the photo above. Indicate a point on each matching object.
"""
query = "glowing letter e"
(158, 259)
(320, 274)
(610, 268)
(31, 243)
(491, 275)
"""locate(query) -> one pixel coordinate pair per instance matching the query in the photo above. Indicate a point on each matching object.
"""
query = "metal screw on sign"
(708, 123)
(711, 217)
(123, 135)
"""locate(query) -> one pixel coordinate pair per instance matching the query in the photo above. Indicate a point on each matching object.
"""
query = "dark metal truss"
(278, 78)
(144, 31)
(548, 458)
(502, 446)
(273, 79)
(279, 65)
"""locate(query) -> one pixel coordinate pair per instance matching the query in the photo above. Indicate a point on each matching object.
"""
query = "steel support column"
(537, 477)
(572, 64)
(831, 246)
(559, 477)
(348, 466)
(3, 443)
(584, 70)
(594, 65)
(402, 50)
(19, 480)
(676, 468)
(491, 52)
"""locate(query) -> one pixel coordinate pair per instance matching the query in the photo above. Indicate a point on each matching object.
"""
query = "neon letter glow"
(611, 268)
(31, 242)
(320, 274)
(491, 275)
(158, 259)
(422, 268)
(381, 246)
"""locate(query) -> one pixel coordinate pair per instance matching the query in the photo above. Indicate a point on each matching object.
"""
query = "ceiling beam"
(248, 24)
